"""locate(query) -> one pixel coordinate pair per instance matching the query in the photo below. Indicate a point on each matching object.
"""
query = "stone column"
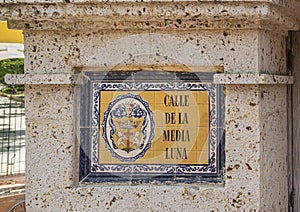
(245, 41)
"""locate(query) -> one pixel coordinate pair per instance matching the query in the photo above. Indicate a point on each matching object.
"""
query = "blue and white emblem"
(128, 127)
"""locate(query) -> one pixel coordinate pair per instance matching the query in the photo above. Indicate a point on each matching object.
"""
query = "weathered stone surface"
(63, 52)
(273, 131)
(152, 15)
(243, 38)
(244, 105)
(40, 79)
(252, 79)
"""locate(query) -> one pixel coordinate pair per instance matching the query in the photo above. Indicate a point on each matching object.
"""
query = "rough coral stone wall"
(273, 132)
(63, 51)
(251, 124)
(51, 155)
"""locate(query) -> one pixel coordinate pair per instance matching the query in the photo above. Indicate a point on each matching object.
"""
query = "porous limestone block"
(273, 159)
(52, 162)
(255, 121)
(50, 145)
(272, 53)
(242, 132)
(63, 52)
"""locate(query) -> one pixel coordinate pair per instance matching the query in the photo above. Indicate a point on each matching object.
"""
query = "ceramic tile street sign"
(148, 131)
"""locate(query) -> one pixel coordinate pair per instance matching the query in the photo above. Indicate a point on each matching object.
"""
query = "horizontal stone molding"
(40, 79)
(252, 79)
(54, 79)
(151, 15)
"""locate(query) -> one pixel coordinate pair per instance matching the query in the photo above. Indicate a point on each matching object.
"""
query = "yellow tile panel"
(106, 96)
(181, 133)
(202, 97)
(203, 157)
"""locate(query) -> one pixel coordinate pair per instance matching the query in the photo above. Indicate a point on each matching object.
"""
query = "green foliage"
(8, 90)
(11, 66)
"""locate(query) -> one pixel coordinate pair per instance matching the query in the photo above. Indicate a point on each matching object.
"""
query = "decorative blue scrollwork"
(116, 112)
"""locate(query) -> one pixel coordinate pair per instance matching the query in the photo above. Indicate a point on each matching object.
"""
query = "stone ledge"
(263, 79)
(150, 15)
(56, 79)
(40, 79)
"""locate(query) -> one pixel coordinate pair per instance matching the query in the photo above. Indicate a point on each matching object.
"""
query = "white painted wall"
(11, 50)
